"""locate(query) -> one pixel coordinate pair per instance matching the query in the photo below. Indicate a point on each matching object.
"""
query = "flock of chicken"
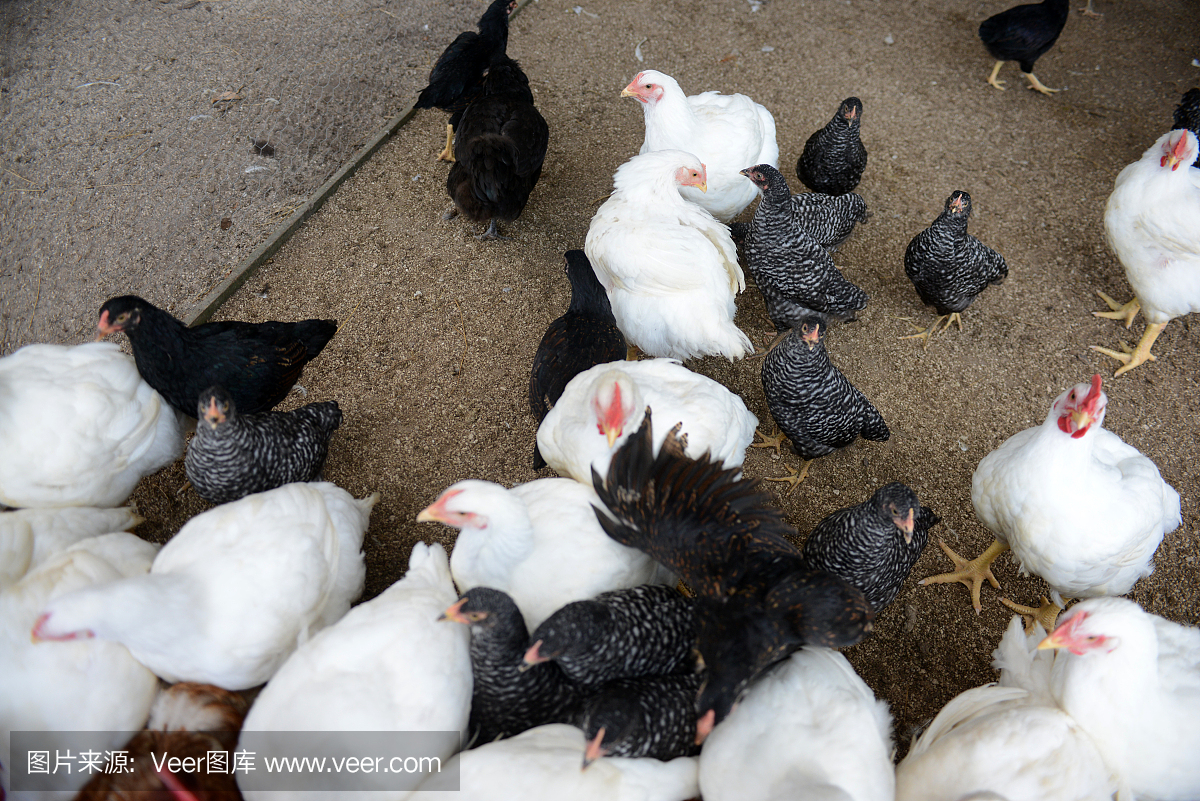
(554, 637)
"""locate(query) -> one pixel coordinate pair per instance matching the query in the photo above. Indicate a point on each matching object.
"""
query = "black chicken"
(640, 631)
(457, 77)
(506, 698)
(585, 336)
(234, 455)
(256, 363)
(795, 275)
(498, 149)
(834, 157)
(1187, 115)
(814, 405)
(649, 716)
(949, 267)
(1022, 34)
(756, 599)
(873, 545)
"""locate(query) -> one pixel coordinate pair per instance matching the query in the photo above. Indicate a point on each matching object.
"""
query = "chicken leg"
(970, 573)
(447, 153)
(1140, 355)
(993, 80)
(1119, 312)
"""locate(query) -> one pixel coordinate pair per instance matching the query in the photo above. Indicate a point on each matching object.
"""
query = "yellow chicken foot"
(1046, 614)
(775, 441)
(633, 353)
(793, 477)
(971, 573)
(926, 333)
(1127, 312)
(1088, 12)
(447, 153)
(1037, 85)
(993, 80)
(1140, 355)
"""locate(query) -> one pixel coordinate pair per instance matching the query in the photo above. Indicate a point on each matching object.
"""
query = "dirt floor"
(438, 329)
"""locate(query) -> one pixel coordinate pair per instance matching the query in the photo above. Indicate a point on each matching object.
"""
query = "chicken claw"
(447, 153)
(1131, 358)
(775, 441)
(794, 477)
(1046, 614)
(970, 573)
(1037, 85)
(1126, 312)
(926, 333)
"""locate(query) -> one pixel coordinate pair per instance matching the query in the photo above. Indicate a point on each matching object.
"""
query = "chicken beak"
(532, 657)
(213, 415)
(454, 612)
(627, 92)
(103, 328)
(611, 435)
(703, 187)
(811, 337)
(1065, 636)
(704, 725)
(905, 524)
(594, 750)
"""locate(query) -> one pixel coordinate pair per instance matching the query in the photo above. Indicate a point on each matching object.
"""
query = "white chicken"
(234, 592)
(1078, 506)
(669, 268)
(388, 665)
(543, 764)
(539, 542)
(1132, 682)
(28, 537)
(810, 728)
(79, 426)
(727, 132)
(602, 406)
(1150, 221)
(1011, 740)
(77, 685)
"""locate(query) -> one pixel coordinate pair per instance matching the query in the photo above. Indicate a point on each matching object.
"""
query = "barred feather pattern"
(834, 157)
(794, 273)
(649, 716)
(640, 631)
(253, 453)
(948, 266)
(1187, 115)
(863, 545)
(509, 697)
(812, 402)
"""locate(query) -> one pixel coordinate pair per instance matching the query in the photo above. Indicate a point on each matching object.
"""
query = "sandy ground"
(438, 329)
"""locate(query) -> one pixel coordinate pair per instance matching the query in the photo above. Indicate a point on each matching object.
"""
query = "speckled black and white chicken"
(949, 267)
(829, 219)
(794, 273)
(873, 545)
(834, 157)
(509, 696)
(234, 455)
(648, 716)
(639, 631)
(814, 405)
